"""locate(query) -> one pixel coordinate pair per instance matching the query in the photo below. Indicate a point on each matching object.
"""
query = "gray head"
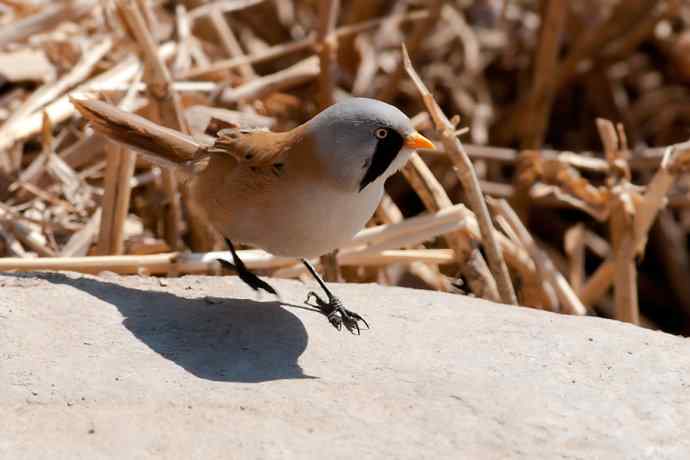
(362, 140)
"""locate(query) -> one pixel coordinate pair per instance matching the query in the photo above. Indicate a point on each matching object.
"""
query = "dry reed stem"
(388, 213)
(33, 173)
(81, 241)
(25, 231)
(474, 268)
(283, 49)
(185, 263)
(675, 161)
(642, 158)
(119, 170)
(13, 247)
(454, 214)
(206, 9)
(594, 39)
(553, 20)
(471, 263)
(229, 41)
(569, 301)
(327, 43)
(178, 86)
(112, 164)
(61, 108)
(49, 17)
(47, 196)
(51, 91)
(598, 283)
(533, 290)
(421, 30)
(625, 271)
(31, 238)
(603, 42)
(167, 108)
(294, 75)
(574, 242)
(622, 212)
(470, 183)
(183, 27)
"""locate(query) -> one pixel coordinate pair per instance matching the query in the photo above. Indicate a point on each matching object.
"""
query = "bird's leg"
(243, 272)
(333, 308)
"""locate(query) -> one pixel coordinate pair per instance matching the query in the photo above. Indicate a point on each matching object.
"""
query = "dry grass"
(573, 117)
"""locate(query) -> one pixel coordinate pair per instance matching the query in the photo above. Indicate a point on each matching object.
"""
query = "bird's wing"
(256, 148)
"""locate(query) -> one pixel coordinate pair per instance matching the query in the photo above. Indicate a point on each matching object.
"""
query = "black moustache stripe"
(386, 151)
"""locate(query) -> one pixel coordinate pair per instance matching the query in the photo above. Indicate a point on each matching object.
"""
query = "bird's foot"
(336, 313)
(248, 277)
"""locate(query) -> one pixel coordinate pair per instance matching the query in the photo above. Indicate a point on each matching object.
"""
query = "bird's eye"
(381, 133)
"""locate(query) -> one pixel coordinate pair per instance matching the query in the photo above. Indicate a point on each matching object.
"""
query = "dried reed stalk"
(205, 9)
(388, 213)
(421, 30)
(283, 49)
(676, 160)
(119, 170)
(50, 16)
(625, 278)
(50, 92)
(570, 302)
(470, 183)
(327, 44)
(574, 242)
(61, 109)
(622, 212)
(471, 263)
(294, 75)
(536, 117)
(185, 263)
(229, 41)
(167, 108)
(81, 241)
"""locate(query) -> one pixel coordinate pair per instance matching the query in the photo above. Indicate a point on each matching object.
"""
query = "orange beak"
(417, 141)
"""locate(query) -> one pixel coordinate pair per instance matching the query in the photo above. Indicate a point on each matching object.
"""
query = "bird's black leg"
(334, 310)
(243, 272)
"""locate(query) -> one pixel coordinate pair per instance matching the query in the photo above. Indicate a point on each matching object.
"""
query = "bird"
(300, 193)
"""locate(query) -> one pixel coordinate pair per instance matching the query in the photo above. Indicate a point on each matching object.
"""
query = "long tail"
(163, 146)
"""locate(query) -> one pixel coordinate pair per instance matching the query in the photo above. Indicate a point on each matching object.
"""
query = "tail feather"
(162, 146)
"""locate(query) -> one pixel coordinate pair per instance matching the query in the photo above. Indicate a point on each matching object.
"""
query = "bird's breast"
(314, 220)
(295, 219)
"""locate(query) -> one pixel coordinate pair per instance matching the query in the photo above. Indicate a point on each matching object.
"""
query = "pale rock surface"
(131, 367)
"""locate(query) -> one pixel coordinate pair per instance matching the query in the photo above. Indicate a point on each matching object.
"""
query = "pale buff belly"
(304, 221)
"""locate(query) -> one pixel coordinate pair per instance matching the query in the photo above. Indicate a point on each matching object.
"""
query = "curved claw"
(358, 318)
(351, 321)
(337, 314)
(352, 326)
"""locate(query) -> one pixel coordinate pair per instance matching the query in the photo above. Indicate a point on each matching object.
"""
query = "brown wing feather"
(252, 148)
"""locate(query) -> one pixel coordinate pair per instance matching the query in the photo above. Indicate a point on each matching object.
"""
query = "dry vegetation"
(572, 114)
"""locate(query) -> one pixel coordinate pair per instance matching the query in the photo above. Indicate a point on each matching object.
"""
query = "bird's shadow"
(231, 340)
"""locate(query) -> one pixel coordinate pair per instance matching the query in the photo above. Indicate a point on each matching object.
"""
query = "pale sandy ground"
(130, 367)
